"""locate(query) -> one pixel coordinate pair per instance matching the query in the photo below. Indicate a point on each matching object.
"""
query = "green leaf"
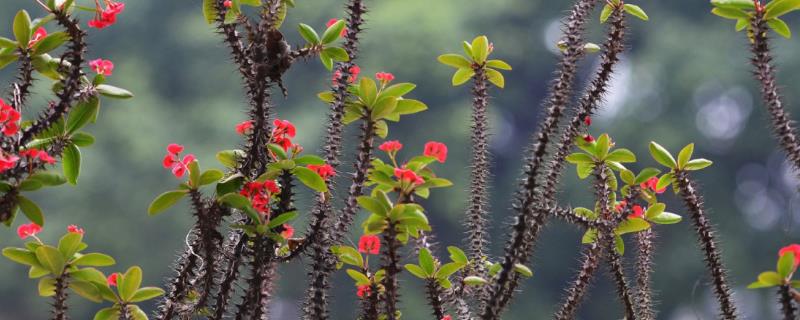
(636, 11)
(631, 226)
(30, 185)
(654, 210)
(475, 281)
(498, 64)
(229, 158)
(645, 175)
(349, 255)
(448, 269)
(210, 176)
(7, 43)
(786, 265)
(86, 290)
(110, 313)
(578, 157)
(462, 75)
(759, 285)
(94, 260)
(585, 170)
(619, 245)
(31, 210)
(21, 256)
(69, 244)
(409, 106)
(586, 213)
(662, 156)
(114, 92)
(368, 91)
(627, 177)
(523, 270)
(165, 200)
(496, 78)
(50, 43)
(326, 60)
(359, 277)
(457, 255)
(48, 178)
(309, 159)
(130, 283)
(398, 90)
(666, 218)
(22, 28)
(480, 49)
(82, 114)
(308, 33)
(90, 275)
(310, 178)
(780, 27)
(606, 13)
(777, 8)
(685, 155)
(333, 32)
(337, 54)
(621, 155)
(50, 258)
(735, 4)
(326, 96)
(47, 287)
(455, 60)
(6, 58)
(146, 293)
(665, 181)
(373, 205)
(235, 200)
(71, 163)
(426, 261)
(282, 218)
(416, 271)
(730, 13)
(741, 24)
(209, 11)
(81, 139)
(770, 278)
(383, 108)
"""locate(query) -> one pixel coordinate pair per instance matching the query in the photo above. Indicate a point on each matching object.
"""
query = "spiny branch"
(644, 268)
(478, 205)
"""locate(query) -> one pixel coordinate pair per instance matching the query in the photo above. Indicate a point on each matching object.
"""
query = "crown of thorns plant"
(245, 214)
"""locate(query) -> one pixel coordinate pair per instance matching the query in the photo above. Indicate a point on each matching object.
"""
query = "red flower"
(587, 120)
(391, 146)
(112, 279)
(620, 205)
(638, 212)
(369, 244)
(28, 230)
(228, 3)
(588, 138)
(260, 194)
(354, 71)
(437, 150)
(333, 21)
(384, 77)
(652, 184)
(36, 153)
(244, 126)
(75, 229)
(363, 291)
(100, 66)
(283, 133)
(7, 162)
(793, 248)
(9, 119)
(173, 162)
(288, 231)
(37, 36)
(408, 175)
(324, 171)
(447, 317)
(108, 16)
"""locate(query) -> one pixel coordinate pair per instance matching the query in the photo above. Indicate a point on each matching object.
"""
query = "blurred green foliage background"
(685, 79)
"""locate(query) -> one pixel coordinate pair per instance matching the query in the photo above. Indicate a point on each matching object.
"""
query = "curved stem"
(644, 269)
(705, 236)
(782, 125)
(528, 223)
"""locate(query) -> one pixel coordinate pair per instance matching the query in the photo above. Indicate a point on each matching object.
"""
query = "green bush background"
(686, 79)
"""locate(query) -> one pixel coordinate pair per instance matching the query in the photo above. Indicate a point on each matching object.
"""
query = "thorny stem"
(618, 273)
(369, 305)
(391, 259)
(782, 125)
(434, 292)
(705, 234)
(231, 273)
(787, 304)
(644, 268)
(60, 298)
(178, 286)
(527, 225)
(477, 210)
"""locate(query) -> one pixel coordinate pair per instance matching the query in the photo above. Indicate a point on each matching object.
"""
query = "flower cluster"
(9, 119)
(107, 16)
(40, 34)
(28, 230)
(793, 248)
(100, 66)
(652, 184)
(369, 244)
(8, 161)
(283, 133)
(244, 127)
(325, 171)
(260, 194)
(75, 229)
(34, 153)
(384, 77)
(173, 161)
(437, 150)
(333, 21)
(354, 71)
